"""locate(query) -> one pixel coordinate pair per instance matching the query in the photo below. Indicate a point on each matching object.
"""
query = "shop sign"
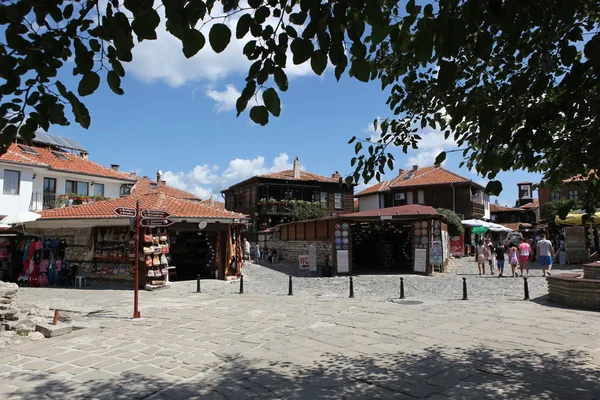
(154, 214)
(154, 222)
(304, 263)
(125, 211)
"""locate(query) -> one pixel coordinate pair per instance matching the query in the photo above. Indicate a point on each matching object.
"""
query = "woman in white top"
(481, 256)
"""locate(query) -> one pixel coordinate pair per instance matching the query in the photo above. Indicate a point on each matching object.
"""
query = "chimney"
(336, 175)
(296, 168)
(115, 167)
(211, 202)
(415, 167)
(436, 165)
(158, 177)
(163, 183)
(400, 171)
(85, 155)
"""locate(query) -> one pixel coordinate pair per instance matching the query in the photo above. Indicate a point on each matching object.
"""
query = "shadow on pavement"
(459, 374)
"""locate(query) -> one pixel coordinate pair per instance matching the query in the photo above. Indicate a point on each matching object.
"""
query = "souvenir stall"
(381, 246)
(156, 254)
(580, 236)
(14, 249)
(234, 253)
(114, 252)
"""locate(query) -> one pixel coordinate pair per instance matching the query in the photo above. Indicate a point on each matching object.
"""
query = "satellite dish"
(202, 224)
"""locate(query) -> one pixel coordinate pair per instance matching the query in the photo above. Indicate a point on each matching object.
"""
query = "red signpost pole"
(136, 313)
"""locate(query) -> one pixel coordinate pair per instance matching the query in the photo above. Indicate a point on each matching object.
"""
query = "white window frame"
(573, 194)
(11, 191)
(409, 198)
(338, 201)
(324, 199)
(96, 186)
(421, 197)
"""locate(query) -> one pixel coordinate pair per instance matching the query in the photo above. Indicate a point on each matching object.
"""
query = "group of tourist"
(518, 256)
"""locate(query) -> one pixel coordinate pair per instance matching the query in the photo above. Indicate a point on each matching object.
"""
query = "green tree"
(455, 227)
(514, 83)
(559, 207)
(305, 210)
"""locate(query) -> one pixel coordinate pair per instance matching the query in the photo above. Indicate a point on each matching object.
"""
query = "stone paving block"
(94, 375)
(38, 365)
(182, 372)
(87, 361)
(49, 330)
(122, 367)
(146, 370)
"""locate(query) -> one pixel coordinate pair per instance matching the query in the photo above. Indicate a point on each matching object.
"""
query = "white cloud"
(431, 144)
(163, 59)
(205, 180)
(226, 99)
(375, 133)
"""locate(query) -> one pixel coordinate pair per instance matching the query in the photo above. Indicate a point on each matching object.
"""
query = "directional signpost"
(125, 212)
(157, 214)
(155, 222)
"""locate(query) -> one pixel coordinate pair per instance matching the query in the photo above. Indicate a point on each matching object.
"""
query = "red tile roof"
(377, 188)
(408, 210)
(497, 208)
(304, 176)
(427, 176)
(147, 186)
(534, 204)
(216, 204)
(74, 163)
(177, 207)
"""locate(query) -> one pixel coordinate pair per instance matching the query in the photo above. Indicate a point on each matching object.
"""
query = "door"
(49, 192)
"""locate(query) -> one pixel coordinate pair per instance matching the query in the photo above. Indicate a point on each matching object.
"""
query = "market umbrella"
(5, 226)
(478, 230)
(576, 219)
(20, 217)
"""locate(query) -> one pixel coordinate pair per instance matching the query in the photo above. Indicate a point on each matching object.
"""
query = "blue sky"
(178, 115)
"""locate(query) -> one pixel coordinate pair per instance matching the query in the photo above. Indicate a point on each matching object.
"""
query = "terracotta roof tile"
(147, 186)
(498, 208)
(177, 207)
(304, 176)
(534, 204)
(219, 205)
(427, 176)
(407, 210)
(377, 188)
(73, 163)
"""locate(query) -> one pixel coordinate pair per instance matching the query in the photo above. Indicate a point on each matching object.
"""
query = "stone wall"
(289, 251)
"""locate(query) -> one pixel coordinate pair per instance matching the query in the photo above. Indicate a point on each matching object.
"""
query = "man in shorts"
(545, 253)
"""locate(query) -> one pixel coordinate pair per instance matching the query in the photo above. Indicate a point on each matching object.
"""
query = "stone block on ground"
(36, 336)
(49, 330)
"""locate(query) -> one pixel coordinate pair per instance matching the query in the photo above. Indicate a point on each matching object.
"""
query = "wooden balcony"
(477, 209)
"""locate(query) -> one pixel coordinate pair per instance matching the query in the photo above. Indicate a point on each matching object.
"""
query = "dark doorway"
(381, 248)
(192, 254)
(49, 193)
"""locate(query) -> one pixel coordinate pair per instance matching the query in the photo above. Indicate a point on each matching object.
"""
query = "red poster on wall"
(457, 246)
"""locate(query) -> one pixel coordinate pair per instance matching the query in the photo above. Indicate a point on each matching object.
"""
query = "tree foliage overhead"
(514, 83)
(560, 207)
(455, 227)
(305, 210)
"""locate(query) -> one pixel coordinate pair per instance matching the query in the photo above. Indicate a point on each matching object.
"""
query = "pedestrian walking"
(500, 252)
(247, 249)
(491, 256)
(524, 253)
(257, 252)
(545, 253)
(513, 259)
(481, 257)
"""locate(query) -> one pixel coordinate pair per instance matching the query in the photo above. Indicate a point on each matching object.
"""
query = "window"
(421, 197)
(28, 150)
(80, 188)
(573, 194)
(99, 190)
(324, 200)
(409, 198)
(125, 190)
(554, 196)
(338, 201)
(60, 156)
(12, 182)
(49, 186)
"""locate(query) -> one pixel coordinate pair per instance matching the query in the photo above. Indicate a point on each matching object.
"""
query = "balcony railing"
(45, 201)
(478, 209)
(280, 206)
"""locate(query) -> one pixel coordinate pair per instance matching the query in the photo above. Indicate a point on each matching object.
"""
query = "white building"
(55, 172)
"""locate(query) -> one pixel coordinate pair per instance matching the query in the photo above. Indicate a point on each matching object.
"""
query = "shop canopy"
(576, 219)
(407, 212)
(483, 224)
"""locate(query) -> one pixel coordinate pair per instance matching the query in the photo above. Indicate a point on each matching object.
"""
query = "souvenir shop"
(114, 252)
(33, 261)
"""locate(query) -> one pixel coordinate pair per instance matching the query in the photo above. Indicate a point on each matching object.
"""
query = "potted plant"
(262, 202)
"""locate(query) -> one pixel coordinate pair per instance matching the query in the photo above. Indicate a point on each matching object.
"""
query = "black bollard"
(351, 288)
(401, 288)
(465, 289)
(198, 284)
(290, 291)
(526, 288)
(242, 284)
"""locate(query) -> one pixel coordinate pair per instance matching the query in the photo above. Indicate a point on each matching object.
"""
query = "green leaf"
(272, 102)
(357, 147)
(145, 25)
(243, 26)
(240, 105)
(280, 79)
(219, 37)
(193, 41)
(318, 61)
(493, 188)
(68, 11)
(379, 33)
(114, 82)
(447, 74)
(440, 158)
(352, 140)
(302, 49)
(88, 84)
(361, 69)
(260, 115)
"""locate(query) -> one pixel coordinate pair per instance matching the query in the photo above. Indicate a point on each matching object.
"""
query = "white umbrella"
(20, 217)
(5, 226)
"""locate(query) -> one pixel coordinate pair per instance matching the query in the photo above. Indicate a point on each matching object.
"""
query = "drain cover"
(406, 302)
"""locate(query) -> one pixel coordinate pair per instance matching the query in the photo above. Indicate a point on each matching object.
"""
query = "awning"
(576, 219)
(489, 225)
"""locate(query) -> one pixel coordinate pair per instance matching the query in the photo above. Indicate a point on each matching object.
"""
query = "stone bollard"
(465, 297)
(9, 310)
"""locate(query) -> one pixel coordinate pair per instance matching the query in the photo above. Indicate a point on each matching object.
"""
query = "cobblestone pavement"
(317, 344)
